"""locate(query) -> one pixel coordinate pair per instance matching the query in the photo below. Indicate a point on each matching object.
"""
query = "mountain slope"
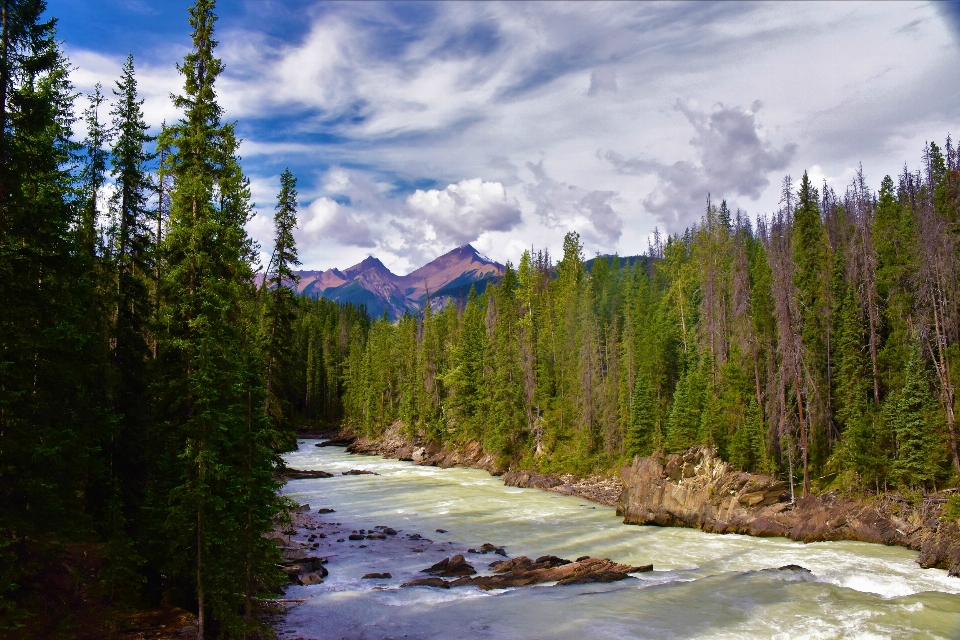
(371, 283)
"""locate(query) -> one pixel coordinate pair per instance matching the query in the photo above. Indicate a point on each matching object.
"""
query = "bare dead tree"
(937, 297)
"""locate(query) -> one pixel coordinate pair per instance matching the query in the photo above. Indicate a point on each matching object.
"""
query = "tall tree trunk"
(803, 440)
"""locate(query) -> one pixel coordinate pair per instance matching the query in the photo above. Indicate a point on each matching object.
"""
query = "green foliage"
(911, 418)
(726, 337)
(686, 416)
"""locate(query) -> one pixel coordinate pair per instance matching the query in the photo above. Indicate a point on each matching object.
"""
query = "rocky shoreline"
(698, 490)
(395, 444)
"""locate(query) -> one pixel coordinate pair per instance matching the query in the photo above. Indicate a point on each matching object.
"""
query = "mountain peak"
(367, 263)
(371, 283)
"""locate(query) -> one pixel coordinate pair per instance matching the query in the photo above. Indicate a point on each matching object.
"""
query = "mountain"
(625, 261)
(371, 283)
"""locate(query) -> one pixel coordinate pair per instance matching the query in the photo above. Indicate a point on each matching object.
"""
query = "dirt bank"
(397, 445)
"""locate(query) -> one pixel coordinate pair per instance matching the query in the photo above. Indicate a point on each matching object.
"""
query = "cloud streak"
(732, 159)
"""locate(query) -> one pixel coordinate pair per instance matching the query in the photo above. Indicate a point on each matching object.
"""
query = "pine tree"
(919, 452)
(687, 412)
(466, 378)
(213, 490)
(861, 445)
(642, 434)
(811, 256)
(132, 305)
(280, 282)
(47, 351)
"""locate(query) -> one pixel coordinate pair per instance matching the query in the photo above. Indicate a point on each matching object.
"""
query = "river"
(703, 585)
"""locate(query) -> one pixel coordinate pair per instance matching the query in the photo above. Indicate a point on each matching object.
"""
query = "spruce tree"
(811, 257)
(643, 437)
(686, 415)
(47, 349)
(861, 446)
(507, 415)
(132, 304)
(280, 281)
(919, 451)
(213, 489)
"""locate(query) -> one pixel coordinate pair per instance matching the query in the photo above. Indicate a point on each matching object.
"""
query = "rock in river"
(523, 571)
(451, 567)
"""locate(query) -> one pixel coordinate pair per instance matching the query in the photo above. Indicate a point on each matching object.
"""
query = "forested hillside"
(146, 383)
(821, 344)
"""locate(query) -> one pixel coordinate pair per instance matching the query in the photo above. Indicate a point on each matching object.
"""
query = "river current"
(703, 585)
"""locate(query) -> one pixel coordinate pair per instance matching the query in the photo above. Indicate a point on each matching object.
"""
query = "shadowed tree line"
(148, 378)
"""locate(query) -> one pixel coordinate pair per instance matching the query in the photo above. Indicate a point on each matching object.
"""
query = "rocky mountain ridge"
(445, 279)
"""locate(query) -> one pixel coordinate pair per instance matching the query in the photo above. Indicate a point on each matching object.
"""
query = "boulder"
(451, 567)
(337, 442)
(376, 576)
(523, 571)
(299, 474)
(360, 472)
(427, 582)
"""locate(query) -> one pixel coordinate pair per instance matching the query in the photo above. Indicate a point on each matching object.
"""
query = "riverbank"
(698, 490)
(732, 582)
(395, 444)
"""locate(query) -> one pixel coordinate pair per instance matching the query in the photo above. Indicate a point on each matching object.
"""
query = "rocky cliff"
(697, 489)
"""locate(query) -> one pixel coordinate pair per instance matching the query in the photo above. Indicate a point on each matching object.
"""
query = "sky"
(417, 127)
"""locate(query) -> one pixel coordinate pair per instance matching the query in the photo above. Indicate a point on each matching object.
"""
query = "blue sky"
(414, 128)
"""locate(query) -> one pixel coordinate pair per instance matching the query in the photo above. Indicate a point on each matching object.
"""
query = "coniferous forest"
(145, 377)
(152, 372)
(820, 343)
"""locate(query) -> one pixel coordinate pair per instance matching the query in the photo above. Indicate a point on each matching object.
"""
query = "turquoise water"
(703, 585)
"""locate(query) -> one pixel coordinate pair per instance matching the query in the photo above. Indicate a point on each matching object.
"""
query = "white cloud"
(732, 159)
(327, 219)
(547, 84)
(566, 206)
(461, 212)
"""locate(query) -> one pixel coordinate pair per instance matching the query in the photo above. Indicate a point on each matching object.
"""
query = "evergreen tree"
(919, 452)
(280, 282)
(132, 304)
(861, 446)
(214, 466)
(643, 437)
(687, 412)
(49, 425)
(810, 255)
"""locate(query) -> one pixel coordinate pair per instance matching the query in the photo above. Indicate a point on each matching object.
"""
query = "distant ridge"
(372, 284)
(625, 261)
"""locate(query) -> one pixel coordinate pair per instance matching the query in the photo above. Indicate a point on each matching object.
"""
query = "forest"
(143, 364)
(820, 343)
(152, 372)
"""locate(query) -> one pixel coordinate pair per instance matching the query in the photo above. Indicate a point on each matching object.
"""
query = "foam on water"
(723, 586)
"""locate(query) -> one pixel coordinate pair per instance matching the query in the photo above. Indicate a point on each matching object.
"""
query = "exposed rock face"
(336, 442)
(396, 444)
(522, 572)
(598, 489)
(697, 489)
